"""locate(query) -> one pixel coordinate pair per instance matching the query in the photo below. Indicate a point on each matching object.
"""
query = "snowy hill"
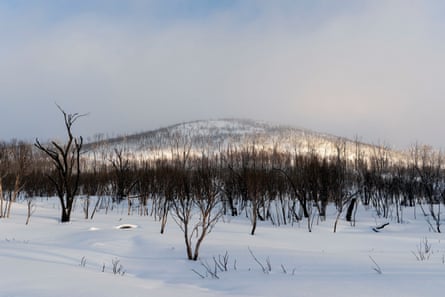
(212, 136)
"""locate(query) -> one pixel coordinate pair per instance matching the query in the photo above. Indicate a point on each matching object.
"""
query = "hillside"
(212, 136)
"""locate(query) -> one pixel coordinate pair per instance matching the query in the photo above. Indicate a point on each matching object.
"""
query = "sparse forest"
(283, 187)
(278, 186)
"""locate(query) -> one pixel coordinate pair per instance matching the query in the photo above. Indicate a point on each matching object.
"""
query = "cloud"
(372, 69)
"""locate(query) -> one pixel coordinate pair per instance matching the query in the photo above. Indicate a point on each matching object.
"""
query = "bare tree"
(432, 185)
(344, 193)
(21, 156)
(4, 169)
(124, 179)
(246, 181)
(198, 194)
(15, 159)
(66, 161)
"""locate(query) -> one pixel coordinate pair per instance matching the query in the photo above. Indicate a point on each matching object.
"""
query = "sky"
(371, 69)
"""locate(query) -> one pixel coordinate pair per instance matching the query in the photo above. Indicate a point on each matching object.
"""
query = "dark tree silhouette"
(66, 161)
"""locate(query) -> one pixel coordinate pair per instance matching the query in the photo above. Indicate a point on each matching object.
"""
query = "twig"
(83, 261)
(263, 268)
(213, 273)
(199, 274)
(376, 268)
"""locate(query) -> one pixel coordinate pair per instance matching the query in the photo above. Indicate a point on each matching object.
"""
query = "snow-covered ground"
(46, 258)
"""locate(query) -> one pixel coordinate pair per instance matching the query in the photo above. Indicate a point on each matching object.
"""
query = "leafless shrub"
(424, 250)
(284, 269)
(267, 267)
(222, 261)
(117, 268)
(83, 261)
(220, 264)
(212, 271)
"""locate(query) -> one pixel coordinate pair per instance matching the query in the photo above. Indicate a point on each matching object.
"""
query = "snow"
(46, 258)
(209, 127)
(215, 136)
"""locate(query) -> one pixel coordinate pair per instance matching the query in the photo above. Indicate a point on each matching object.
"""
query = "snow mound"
(126, 226)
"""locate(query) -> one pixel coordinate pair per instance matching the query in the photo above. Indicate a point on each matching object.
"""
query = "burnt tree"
(66, 162)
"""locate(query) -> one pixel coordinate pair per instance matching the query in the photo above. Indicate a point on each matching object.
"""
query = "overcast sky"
(375, 69)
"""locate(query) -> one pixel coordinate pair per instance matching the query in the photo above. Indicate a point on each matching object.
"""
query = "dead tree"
(66, 161)
(196, 208)
(124, 179)
(20, 154)
(4, 169)
(432, 188)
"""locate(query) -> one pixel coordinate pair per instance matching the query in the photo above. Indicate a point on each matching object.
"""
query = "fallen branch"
(376, 267)
(378, 228)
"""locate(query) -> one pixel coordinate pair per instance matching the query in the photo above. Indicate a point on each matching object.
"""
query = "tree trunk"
(66, 210)
(350, 210)
(188, 243)
(30, 211)
(1, 198)
(65, 216)
(14, 195)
